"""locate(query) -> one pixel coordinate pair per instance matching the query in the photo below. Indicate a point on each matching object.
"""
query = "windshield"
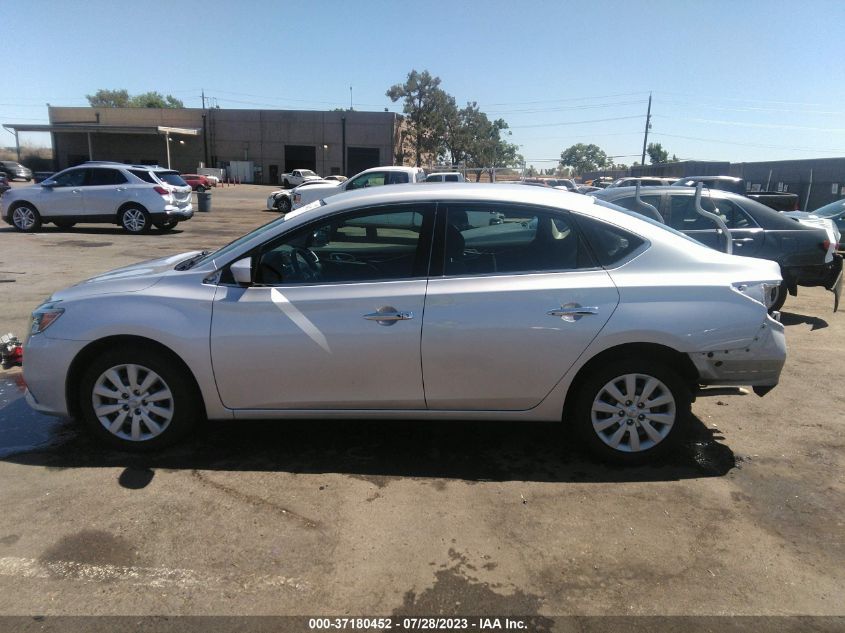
(830, 210)
(308, 172)
(171, 178)
(233, 245)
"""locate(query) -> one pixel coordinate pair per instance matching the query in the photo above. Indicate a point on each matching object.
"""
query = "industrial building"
(253, 145)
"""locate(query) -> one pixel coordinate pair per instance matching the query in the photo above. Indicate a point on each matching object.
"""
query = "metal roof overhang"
(93, 128)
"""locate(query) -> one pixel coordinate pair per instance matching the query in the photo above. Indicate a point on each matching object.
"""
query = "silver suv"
(136, 197)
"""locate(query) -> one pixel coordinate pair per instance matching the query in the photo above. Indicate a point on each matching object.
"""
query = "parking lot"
(377, 517)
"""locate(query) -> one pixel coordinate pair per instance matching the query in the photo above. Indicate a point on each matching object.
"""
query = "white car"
(406, 302)
(445, 176)
(136, 197)
(280, 199)
(297, 177)
(373, 177)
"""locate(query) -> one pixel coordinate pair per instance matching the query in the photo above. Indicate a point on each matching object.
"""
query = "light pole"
(325, 147)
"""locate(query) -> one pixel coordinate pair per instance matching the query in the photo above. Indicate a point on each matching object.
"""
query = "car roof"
(680, 189)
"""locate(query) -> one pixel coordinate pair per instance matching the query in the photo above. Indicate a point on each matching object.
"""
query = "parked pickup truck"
(297, 177)
(374, 177)
(772, 199)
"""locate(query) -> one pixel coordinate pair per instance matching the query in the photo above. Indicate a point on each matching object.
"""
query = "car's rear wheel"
(632, 411)
(166, 226)
(779, 296)
(137, 399)
(283, 204)
(26, 218)
(64, 225)
(135, 220)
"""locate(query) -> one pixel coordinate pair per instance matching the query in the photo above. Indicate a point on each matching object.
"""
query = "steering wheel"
(306, 264)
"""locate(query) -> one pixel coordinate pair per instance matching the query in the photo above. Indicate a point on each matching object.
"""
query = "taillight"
(162, 191)
(825, 245)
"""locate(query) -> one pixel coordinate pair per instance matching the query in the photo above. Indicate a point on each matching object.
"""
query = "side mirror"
(242, 271)
(48, 184)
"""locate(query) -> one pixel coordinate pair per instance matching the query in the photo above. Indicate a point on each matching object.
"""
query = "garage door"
(300, 157)
(361, 158)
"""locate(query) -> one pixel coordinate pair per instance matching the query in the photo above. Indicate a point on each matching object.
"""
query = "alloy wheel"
(134, 220)
(24, 218)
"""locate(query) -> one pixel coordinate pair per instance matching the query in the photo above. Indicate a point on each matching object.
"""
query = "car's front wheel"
(26, 218)
(135, 220)
(137, 399)
(283, 204)
(632, 411)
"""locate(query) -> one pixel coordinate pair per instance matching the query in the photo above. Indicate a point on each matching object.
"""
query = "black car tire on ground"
(780, 299)
(283, 204)
(184, 402)
(64, 225)
(670, 384)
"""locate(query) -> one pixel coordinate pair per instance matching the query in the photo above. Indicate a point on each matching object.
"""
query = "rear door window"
(492, 239)
(102, 177)
(684, 217)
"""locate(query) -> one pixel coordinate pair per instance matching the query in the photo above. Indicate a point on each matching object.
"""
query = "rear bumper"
(824, 275)
(756, 365)
(172, 212)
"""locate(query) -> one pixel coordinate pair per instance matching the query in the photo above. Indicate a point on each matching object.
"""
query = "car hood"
(132, 278)
(321, 187)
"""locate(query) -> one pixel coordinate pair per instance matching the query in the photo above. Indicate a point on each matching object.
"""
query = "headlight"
(44, 316)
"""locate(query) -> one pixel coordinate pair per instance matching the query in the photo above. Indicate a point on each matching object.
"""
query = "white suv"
(136, 197)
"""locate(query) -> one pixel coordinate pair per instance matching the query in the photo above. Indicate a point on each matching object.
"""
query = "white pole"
(809, 189)
(167, 142)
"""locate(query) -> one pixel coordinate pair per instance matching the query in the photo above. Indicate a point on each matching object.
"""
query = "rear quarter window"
(610, 244)
(143, 175)
(171, 178)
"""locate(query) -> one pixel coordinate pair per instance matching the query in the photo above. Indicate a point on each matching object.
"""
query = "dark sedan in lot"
(806, 254)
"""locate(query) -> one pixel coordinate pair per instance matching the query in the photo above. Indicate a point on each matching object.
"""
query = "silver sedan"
(441, 302)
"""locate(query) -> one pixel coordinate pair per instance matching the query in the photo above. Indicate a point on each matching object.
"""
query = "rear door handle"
(743, 240)
(76, 191)
(573, 312)
(388, 315)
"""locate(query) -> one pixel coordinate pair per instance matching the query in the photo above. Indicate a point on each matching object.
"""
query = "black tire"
(780, 299)
(184, 403)
(283, 204)
(64, 225)
(135, 220)
(166, 226)
(25, 217)
(592, 390)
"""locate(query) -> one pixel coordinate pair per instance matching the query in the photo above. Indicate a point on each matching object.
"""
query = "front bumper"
(756, 365)
(46, 362)
(271, 203)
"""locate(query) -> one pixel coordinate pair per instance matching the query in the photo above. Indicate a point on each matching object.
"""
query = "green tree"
(109, 99)
(424, 104)
(656, 153)
(155, 100)
(122, 99)
(581, 158)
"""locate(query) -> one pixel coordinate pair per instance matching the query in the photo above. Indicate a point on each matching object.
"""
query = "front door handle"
(76, 191)
(121, 189)
(573, 311)
(743, 240)
(388, 315)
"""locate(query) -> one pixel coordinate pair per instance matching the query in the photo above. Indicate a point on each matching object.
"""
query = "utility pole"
(350, 97)
(647, 125)
(203, 99)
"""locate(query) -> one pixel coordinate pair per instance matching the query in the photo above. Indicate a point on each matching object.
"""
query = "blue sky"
(732, 80)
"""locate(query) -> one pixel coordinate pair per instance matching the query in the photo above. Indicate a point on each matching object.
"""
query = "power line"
(775, 126)
(618, 118)
(760, 145)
